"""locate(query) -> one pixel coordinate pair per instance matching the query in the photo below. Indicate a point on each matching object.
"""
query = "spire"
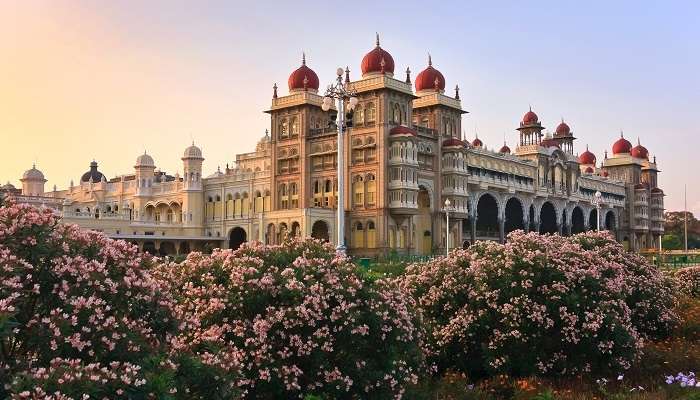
(430, 60)
(347, 74)
(377, 38)
(622, 134)
(408, 75)
(303, 58)
(638, 143)
(457, 92)
(530, 105)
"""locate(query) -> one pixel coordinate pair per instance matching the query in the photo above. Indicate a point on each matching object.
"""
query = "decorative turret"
(144, 170)
(33, 182)
(530, 129)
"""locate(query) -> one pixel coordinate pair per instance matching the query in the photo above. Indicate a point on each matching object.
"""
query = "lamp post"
(341, 93)
(597, 199)
(447, 209)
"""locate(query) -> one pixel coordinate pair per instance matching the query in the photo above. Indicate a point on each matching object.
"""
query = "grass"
(644, 381)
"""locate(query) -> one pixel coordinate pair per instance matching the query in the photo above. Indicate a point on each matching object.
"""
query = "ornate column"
(501, 230)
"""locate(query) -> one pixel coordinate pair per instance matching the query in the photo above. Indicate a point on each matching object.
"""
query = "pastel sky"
(109, 79)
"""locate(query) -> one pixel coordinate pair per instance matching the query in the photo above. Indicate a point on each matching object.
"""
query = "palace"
(405, 156)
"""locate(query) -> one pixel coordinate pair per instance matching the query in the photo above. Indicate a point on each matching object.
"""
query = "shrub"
(294, 320)
(536, 305)
(75, 304)
(648, 291)
(689, 280)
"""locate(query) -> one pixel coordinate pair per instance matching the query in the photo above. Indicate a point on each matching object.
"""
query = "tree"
(675, 225)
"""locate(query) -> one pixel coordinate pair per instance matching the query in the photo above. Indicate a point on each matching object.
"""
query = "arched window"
(371, 190)
(284, 128)
(396, 114)
(295, 126)
(359, 116)
(370, 112)
(358, 190)
(371, 235)
(359, 235)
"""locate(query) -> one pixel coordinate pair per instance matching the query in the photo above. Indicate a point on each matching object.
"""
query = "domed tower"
(434, 109)
(33, 182)
(564, 137)
(530, 129)
(92, 175)
(193, 200)
(144, 171)
(587, 160)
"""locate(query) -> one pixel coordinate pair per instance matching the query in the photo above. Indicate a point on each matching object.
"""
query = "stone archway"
(236, 238)
(514, 215)
(593, 220)
(184, 248)
(319, 230)
(548, 218)
(487, 216)
(610, 220)
(149, 247)
(166, 249)
(578, 223)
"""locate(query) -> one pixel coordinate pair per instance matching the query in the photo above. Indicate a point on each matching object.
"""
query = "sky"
(108, 80)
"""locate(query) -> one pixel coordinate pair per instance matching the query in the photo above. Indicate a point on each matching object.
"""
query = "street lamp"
(447, 209)
(597, 199)
(341, 93)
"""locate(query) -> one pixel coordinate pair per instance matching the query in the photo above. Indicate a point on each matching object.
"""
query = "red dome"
(429, 78)
(639, 151)
(589, 170)
(477, 143)
(301, 74)
(402, 130)
(452, 142)
(530, 118)
(549, 142)
(586, 157)
(621, 146)
(466, 142)
(505, 149)
(372, 62)
(563, 129)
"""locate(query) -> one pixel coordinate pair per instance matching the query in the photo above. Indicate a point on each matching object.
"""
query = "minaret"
(193, 200)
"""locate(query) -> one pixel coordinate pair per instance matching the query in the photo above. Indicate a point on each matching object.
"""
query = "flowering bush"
(689, 280)
(76, 309)
(536, 305)
(294, 320)
(648, 291)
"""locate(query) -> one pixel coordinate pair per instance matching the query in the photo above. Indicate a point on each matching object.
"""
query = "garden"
(540, 317)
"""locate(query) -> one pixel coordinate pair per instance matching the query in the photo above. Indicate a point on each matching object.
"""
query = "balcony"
(407, 185)
(403, 208)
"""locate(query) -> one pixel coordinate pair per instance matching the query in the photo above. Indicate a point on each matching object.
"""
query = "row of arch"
(237, 205)
(487, 221)
(276, 234)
